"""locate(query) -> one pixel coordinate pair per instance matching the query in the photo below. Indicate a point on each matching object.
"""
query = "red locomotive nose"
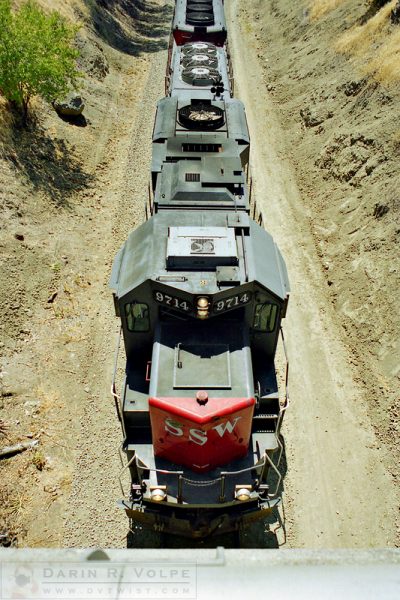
(201, 432)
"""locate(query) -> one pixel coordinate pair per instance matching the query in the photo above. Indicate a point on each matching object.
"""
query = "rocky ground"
(325, 150)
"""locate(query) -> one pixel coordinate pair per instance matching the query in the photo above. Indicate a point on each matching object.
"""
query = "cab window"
(137, 316)
(265, 317)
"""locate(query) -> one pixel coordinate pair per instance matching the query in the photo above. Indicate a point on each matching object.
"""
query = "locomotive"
(200, 289)
(199, 20)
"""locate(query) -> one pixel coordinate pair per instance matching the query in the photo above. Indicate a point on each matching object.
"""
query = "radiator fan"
(200, 60)
(200, 76)
(199, 48)
(201, 19)
(205, 6)
(201, 116)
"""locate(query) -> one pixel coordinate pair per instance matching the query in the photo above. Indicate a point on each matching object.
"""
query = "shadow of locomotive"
(132, 27)
(266, 533)
(47, 163)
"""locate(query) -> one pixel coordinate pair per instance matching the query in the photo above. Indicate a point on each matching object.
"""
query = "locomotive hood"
(201, 394)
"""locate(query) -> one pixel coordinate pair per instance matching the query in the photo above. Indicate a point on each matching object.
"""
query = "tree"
(37, 56)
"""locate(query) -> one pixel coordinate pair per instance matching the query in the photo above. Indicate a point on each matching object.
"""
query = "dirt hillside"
(69, 196)
(325, 154)
(321, 71)
(325, 146)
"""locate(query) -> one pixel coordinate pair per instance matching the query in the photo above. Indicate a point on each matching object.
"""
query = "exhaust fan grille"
(200, 76)
(201, 116)
(199, 48)
(199, 18)
(200, 60)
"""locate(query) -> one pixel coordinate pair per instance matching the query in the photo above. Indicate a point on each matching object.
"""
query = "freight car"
(201, 290)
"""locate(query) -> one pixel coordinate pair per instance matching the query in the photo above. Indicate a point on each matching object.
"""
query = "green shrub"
(37, 56)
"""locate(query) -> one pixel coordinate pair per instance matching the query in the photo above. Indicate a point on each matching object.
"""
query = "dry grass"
(376, 44)
(358, 40)
(48, 399)
(39, 460)
(4, 427)
(66, 9)
(65, 481)
(319, 8)
(385, 66)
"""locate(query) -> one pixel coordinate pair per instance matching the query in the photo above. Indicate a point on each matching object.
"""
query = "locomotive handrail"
(170, 46)
(221, 479)
(166, 472)
(154, 470)
(128, 464)
(150, 198)
(114, 394)
(260, 464)
(287, 398)
(278, 473)
(283, 408)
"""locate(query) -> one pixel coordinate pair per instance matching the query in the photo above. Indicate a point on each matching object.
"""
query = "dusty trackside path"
(91, 516)
(337, 491)
(58, 382)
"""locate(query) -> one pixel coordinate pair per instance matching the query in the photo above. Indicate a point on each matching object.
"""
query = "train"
(200, 290)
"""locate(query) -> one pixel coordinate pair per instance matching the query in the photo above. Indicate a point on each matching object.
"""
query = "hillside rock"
(71, 106)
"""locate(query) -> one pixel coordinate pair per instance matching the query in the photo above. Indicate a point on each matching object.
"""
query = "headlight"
(242, 493)
(203, 305)
(158, 494)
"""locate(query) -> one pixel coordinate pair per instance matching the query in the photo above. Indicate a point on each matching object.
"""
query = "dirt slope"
(345, 130)
(69, 196)
(342, 454)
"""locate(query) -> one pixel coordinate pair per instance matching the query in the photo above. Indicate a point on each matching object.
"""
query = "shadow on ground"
(75, 120)
(131, 26)
(373, 8)
(47, 163)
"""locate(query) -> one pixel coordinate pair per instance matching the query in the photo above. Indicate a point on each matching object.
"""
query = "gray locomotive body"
(202, 20)
(201, 290)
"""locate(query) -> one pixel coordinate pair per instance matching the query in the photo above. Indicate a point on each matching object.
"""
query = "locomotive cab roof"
(144, 256)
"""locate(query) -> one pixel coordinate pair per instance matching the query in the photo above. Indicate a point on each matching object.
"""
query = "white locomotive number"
(172, 301)
(232, 302)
